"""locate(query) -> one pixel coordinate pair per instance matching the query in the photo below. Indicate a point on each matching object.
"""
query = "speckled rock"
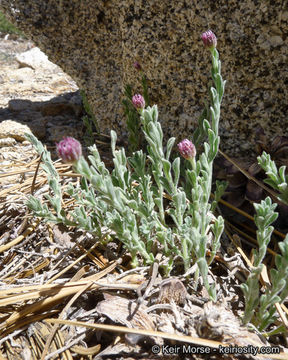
(97, 42)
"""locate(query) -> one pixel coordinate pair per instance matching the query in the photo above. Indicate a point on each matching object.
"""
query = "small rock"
(13, 129)
(172, 289)
(34, 58)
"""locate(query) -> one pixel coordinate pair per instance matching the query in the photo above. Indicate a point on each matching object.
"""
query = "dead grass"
(63, 295)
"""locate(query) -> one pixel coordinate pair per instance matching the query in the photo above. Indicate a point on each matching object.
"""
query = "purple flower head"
(138, 101)
(209, 39)
(137, 66)
(69, 149)
(187, 149)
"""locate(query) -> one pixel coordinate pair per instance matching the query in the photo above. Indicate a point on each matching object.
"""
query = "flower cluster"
(187, 149)
(69, 149)
(138, 101)
(209, 39)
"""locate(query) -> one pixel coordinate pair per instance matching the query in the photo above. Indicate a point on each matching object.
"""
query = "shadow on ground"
(48, 120)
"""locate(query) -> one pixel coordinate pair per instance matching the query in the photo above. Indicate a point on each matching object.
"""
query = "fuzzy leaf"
(176, 170)
(169, 147)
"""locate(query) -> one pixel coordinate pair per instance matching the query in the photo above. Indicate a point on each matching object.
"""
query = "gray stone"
(97, 43)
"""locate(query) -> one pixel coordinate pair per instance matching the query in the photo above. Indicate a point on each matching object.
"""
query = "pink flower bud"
(137, 66)
(209, 39)
(69, 149)
(138, 101)
(187, 149)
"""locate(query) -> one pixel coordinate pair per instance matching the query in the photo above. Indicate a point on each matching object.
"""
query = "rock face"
(96, 43)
